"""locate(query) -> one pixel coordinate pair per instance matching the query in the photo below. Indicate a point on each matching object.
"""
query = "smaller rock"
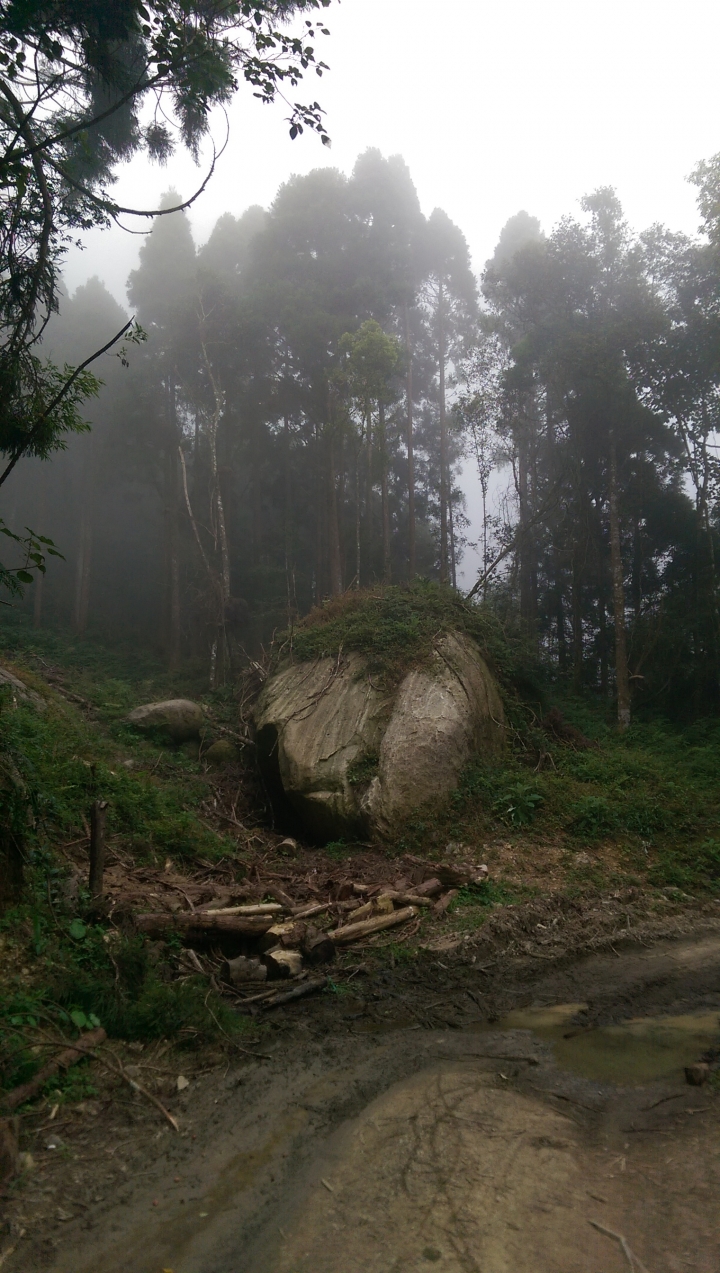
(128, 764)
(177, 719)
(697, 1074)
(182, 1083)
(54, 1142)
(288, 846)
(63, 1215)
(222, 752)
(25, 1163)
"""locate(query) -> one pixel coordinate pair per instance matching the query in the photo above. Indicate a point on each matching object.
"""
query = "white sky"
(496, 105)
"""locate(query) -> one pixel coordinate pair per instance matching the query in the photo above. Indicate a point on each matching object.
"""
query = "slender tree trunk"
(602, 624)
(384, 495)
(443, 437)
(451, 524)
(524, 545)
(333, 525)
(171, 498)
(410, 452)
(622, 677)
(369, 494)
(358, 546)
(560, 628)
(577, 632)
(172, 549)
(287, 524)
(320, 504)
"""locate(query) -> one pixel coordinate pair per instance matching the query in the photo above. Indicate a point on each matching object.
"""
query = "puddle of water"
(635, 1051)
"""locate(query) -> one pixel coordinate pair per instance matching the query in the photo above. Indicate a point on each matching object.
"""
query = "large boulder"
(177, 719)
(352, 758)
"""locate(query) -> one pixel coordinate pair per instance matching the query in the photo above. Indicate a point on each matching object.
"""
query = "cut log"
(441, 906)
(289, 934)
(283, 963)
(460, 876)
(70, 1056)
(281, 896)
(313, 908)
(364, 912)
(429, 888)
(449, 874)
(298, 992)
(318, 948)
(259, 908)
(355, 932)
(199, 928)
(405, 899)
(241, 971)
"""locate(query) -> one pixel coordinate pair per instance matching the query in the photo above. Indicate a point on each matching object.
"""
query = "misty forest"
(314, 379)
(360, 645)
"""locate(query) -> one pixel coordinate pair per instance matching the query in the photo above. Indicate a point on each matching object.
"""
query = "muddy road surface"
(541, 1126)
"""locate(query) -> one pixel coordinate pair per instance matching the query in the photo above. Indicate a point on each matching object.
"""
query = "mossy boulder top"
(354, 756)
(177, 719)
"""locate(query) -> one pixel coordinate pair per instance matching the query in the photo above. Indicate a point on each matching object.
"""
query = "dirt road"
(367, 1145)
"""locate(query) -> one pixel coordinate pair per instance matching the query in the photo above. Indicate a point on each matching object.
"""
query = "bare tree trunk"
(333, 525)
(173, 565)
(622, 677)
(410, 453)
(443, 437)
(451, 524)
(526, 590)
(320, 502)
(369, 493)
(357, 519)
(577, 633)
(384, 496)
(172, 530)
(287, 524)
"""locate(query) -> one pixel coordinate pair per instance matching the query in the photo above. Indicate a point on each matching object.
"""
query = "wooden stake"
(98, 815)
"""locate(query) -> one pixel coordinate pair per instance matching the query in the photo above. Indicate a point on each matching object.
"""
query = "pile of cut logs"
(279, 939)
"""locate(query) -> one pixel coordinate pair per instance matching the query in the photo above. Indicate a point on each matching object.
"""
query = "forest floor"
(553, 1006)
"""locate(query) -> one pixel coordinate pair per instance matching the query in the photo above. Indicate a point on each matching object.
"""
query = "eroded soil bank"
(372, 1135)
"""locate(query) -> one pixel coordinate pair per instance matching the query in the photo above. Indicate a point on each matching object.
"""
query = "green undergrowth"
(395, 629)
(652, 794)
(53, 766)
(63, 973)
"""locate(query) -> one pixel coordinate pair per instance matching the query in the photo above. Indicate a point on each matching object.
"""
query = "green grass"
(652, 793)
(53, 765)
(395, 628)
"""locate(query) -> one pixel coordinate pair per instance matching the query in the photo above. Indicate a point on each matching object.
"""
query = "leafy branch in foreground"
(34, 548)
